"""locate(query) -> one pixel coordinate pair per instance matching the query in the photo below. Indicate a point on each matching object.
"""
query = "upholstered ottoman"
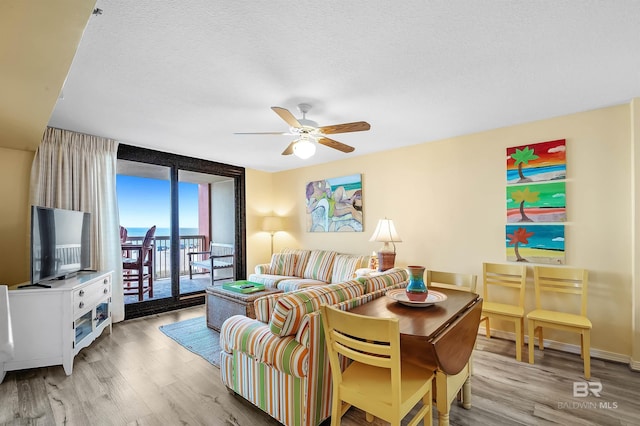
(221, 304)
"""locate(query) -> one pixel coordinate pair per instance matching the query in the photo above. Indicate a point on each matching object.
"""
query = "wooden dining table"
(440, 337)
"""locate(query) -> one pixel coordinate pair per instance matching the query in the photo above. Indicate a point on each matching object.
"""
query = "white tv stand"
(51, 325)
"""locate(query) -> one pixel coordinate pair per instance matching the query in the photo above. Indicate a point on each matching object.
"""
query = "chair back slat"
(513, 276)
(558, 280)
(220, 249)
(362, 351)
(452, 280)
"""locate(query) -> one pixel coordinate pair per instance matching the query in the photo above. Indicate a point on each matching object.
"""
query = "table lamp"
(272, 224)
(386, 233)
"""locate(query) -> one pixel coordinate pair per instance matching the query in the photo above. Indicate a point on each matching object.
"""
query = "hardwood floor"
(139, 376)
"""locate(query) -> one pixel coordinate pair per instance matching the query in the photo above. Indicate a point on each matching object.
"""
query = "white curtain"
(76, 171)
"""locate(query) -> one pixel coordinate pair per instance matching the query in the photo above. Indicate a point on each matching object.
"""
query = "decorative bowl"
(417, 296)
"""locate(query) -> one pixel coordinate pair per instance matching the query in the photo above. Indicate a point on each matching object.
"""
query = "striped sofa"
(278, 361)
(294, 269)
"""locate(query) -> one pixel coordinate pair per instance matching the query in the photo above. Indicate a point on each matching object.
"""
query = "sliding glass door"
(192, 203)
(207, 215)
(144, 202)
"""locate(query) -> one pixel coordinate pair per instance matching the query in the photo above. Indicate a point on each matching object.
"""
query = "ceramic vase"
(416, 289)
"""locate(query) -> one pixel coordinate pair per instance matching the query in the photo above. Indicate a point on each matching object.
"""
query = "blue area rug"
(194, 335)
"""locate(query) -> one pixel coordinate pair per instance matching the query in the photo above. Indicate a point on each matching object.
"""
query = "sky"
(144, 202)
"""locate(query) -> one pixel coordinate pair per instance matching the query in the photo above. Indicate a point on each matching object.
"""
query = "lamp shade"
(385, 232)
(272, 224)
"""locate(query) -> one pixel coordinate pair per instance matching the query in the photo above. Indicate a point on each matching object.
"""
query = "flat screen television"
(60, 243)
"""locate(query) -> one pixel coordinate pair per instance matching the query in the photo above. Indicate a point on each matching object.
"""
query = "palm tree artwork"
(522, 157)
(537, 162)
(519, 236)
(523, 196)
(535, 243)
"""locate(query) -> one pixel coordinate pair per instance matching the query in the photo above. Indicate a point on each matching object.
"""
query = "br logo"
(583, 389)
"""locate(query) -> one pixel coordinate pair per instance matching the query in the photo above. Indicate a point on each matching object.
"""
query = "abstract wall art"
(537, 162)
(539, 202)
(535, 243)
(335, 204)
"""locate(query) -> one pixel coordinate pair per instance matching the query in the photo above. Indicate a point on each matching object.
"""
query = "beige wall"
(635, 234)
(447, 200)
(38, 39)
(15, 168)
(259, 203)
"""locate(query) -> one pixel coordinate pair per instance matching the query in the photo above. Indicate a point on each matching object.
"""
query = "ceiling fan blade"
(357, 126)
(335, 145)
(286, 116)
(261, 133)
(289, 149)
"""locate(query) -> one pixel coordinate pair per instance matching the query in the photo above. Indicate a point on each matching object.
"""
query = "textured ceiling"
(182, 77)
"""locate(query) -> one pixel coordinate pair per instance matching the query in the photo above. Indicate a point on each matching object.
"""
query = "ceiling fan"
(308, 132)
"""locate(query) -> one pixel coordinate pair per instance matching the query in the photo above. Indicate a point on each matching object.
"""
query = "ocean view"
(160, 232)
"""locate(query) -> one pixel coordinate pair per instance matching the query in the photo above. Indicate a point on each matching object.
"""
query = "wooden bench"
(219, 256)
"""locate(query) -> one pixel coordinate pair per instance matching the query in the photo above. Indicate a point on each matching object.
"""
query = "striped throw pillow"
(319, 265)
(283, 264)
(301, 261)
(292, 307)
(345, 266)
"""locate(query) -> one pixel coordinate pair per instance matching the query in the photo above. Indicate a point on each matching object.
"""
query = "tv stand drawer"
(87, 296)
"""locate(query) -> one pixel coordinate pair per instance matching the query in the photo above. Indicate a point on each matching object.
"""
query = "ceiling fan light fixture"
(304, 148)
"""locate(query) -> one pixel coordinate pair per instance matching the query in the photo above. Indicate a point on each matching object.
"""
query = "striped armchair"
(295, 269)
(278, 361)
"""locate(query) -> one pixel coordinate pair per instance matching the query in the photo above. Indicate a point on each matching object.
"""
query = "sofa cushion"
(292, 307)
(345, 266)
(283, 264)
(267, 280)
(319, 265)
(295, 284)
(301, 260)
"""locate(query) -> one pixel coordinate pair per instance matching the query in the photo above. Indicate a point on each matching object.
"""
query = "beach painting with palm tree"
(535, 243)
(543, 161)
(539, 202)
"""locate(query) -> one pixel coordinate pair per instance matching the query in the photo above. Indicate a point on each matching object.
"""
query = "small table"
(439, 337)
(221, 304)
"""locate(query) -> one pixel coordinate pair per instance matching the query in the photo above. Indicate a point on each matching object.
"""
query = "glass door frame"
(175, 163)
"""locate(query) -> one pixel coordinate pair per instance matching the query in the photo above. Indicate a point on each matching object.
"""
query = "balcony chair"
(219, 257)
(123, 240)
(123, 234)
(504, 278)
(555, 285)
(377, 380)
(134, 275)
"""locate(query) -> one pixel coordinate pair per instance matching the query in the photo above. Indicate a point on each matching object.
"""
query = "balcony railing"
(161, 250)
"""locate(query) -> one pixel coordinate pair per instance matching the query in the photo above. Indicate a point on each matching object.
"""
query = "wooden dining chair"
(556, 286)
(134, 274)
(497, 281)
(377, 380)
(452, 280)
